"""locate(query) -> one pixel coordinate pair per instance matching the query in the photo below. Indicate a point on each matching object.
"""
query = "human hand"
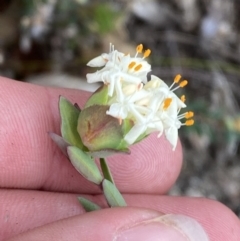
(40, 187)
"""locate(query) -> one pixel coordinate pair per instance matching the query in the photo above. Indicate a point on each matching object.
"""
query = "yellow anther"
(189, 122)
(138, 67)
(139, 48)
(167, 102)
(189, 114)
(131, 64)
(183, 98)
(177, 78)
(146, 53)
(183, 83)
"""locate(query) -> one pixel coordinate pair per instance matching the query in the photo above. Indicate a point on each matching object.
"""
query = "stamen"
(189, 122)
(186, 115)
(183, 83)
(138, 67)
(131, 65)
(177, 78)
(120, 121)
(139, 48)
(183, 98)
(111, 48)
(167, 102)
(189, 114)
(175, 81)
(146, 53)
(140, 86)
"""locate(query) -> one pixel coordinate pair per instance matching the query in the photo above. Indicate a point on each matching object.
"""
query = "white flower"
(158, 87)
(124, 104)
(146, 124)
(152, 106)
(103, 58)
(171, 121)
(119, 66)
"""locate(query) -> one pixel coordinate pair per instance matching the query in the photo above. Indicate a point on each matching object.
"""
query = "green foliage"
(89, 206)
(84, 164)
(113, 196)
(106, 171)
(100, 97)
(105, 17)
(216, 124)
(94, 16)
(69, 119)
(61, 143)
(71, 144)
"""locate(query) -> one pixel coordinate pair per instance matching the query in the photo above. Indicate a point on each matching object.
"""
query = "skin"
(39, 186)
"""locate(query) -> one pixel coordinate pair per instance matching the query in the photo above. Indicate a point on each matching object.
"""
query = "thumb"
(119, 224)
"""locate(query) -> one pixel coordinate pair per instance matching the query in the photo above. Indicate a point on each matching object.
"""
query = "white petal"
(158, 82)
(129, 78)
(119, 91)
(118, 111)
(112, 79)
(134, 133)
(159, 127)
(129, 89)
(172, 110)
(139, 95)
(172, 136)
(98, 61)
(93, 77)
(114, 110)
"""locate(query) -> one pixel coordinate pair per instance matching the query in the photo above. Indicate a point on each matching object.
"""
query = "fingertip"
(99, 225)
(221, 223)
(217, 219)
(152, 167)
(120, 224)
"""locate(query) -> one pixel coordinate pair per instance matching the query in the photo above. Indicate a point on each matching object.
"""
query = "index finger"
(31, 160)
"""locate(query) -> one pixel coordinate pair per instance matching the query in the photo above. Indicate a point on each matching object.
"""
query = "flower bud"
(99, 131)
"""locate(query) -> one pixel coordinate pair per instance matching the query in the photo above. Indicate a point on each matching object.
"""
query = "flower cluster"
(152, 105)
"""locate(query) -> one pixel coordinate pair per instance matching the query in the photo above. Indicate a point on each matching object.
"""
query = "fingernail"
(166, 227)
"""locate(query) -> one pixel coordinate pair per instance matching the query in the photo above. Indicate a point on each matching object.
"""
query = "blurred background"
(49, 42)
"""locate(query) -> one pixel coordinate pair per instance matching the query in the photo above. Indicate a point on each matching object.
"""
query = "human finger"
(31, 160)
(18, 205)
(119, 224)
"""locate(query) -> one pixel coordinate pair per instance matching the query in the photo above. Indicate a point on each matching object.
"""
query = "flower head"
(117, 67)
(152, 106)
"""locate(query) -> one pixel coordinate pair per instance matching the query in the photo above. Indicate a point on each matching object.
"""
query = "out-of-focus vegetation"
(49, 35)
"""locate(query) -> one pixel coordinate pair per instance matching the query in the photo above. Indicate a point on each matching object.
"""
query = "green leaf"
(84, 164)
(99, 97)
(106, 171)
(113, 196)
(89, 206)
(61, 143)
(69, 121)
